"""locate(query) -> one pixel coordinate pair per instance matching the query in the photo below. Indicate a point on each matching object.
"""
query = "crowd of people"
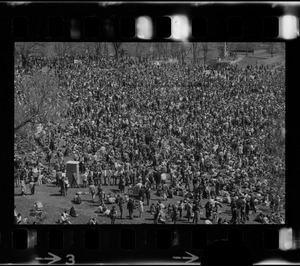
(217, 133)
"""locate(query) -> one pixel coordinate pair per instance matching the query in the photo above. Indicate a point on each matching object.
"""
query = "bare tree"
(184, 50)
(195, 52)
(205, 50)
(174, 50)
(117, 46)
(98, 49)
(140, 50)
(61, 49)
(38, 99)
(160, 50)
(271, 49)
(247, 48)
(24, 49)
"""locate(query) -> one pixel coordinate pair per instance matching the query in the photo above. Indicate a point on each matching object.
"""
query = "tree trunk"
(117, 46)
(194, 53)
(24, 61)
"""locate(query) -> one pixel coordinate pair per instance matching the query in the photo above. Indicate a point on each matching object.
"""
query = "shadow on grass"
(86, 200)
(114, 190)
(93, 205)
(58, 194)
(149, 219)
(229, 212)
(18, 195)
(52, 185)
(187, 222)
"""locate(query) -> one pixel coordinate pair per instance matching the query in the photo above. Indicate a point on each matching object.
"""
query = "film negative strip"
(76, 73)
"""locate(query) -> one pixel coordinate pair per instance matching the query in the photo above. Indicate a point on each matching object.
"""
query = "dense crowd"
(216, 132)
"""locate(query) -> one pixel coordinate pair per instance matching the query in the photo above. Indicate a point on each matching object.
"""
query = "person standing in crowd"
(240, 207)
(121, 203)
(115, 177)
(92, 189)
(130, 207)
(141, 207)
(247, 209)
(180, 208)
(156, 213)
(100, 193)
(142, 193)
(84, 180)
(188, 207)
(208, 209)
(113, 214)
(22, 183)
(23, 188)
(196, 211)
(174, 214)
(74, 179)
(121, 184)
(32, 184)
(148, 190)
(58, 177)
(105, 175)
(234, 212)
(64, 186)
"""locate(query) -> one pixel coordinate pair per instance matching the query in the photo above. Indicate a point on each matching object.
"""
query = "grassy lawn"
(54, 205)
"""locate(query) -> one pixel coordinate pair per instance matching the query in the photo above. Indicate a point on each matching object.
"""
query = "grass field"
(54, 204)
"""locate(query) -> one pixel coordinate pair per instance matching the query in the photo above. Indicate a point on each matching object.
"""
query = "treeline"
(183, 52)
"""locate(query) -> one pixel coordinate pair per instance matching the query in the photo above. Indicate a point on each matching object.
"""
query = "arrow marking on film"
(53, 259)
(190, 259)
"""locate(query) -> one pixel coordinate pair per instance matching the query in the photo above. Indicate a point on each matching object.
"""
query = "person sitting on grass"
(101, 209)
(64, 219)
(107, 212)
(77, 199)
(152, 208)
(73, 212)
(18, 218)
(93, 221)
(207, 221)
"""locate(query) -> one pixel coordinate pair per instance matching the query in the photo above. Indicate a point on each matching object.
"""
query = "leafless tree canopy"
(37, 100)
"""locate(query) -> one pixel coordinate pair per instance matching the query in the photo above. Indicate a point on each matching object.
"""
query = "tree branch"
(23, 124)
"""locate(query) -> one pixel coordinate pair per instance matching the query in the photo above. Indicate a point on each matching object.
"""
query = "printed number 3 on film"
(54, 258)
(71, 259)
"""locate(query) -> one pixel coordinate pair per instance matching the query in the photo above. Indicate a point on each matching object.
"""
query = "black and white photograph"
(149, 133)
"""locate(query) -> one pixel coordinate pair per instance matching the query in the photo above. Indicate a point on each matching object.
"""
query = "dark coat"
(130, 205)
